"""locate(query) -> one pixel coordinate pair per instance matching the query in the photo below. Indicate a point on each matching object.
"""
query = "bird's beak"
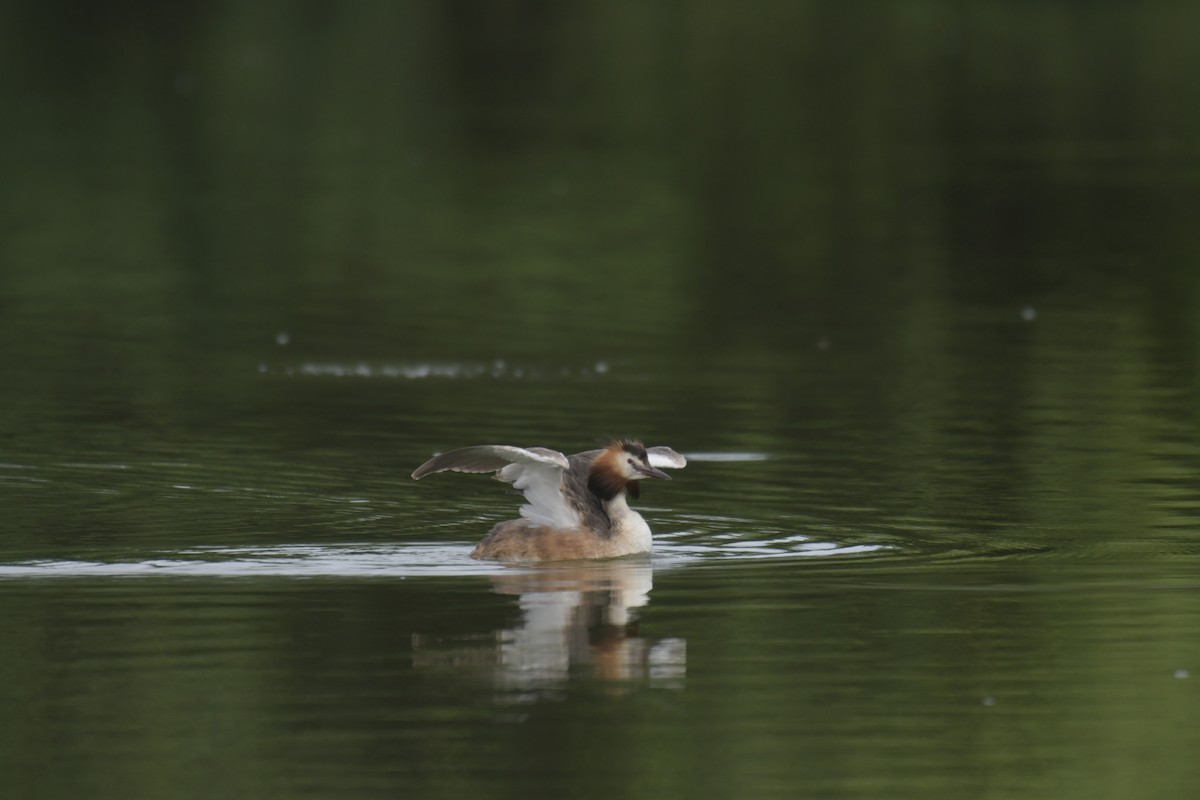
(651, 472)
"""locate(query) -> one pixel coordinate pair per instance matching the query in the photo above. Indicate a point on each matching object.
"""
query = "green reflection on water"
(936, 264)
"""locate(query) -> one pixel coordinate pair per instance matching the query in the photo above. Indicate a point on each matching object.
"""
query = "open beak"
(651, 472)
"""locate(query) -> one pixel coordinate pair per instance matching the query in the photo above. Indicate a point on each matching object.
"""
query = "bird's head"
(619, 467)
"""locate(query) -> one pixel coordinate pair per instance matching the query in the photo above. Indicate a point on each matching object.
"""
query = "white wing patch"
(536, 471)
(542, 486)
(665, 458)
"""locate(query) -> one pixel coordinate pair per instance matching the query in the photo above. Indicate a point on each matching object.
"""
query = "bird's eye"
(630, 460)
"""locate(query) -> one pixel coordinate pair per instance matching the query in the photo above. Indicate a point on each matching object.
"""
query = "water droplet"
(601, 367)
(1029, 313)
(1182, 673)
(988, 700)
(282, 339)
(824, 344)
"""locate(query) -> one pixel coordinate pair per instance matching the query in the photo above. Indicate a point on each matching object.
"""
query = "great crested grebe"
(576, 506)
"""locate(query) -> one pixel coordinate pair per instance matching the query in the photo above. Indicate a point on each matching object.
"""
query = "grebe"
(576, 506)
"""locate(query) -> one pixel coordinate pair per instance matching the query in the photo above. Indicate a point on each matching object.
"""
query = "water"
(916, 293)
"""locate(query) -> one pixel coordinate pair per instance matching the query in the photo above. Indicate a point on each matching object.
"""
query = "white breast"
(628, 525)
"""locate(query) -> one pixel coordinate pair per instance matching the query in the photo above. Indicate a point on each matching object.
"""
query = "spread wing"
(537, 472)
(665, 458)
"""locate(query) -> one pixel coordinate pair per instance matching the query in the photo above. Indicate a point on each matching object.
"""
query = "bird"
(576, 506)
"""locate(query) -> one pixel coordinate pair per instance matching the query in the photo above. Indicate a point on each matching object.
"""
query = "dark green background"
(936, 261)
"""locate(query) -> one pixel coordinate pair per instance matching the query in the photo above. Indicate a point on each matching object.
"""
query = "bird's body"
(577, 506)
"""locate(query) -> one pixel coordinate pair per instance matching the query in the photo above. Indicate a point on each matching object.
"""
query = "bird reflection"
(578, 621)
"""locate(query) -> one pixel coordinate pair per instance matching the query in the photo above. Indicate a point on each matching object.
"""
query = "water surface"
(916, 293)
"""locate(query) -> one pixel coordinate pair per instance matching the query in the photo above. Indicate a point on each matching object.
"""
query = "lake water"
(915, 291)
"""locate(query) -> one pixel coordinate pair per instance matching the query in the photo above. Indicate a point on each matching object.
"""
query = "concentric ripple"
(401, 560)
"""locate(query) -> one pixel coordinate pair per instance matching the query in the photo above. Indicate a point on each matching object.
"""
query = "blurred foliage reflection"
(935, 262)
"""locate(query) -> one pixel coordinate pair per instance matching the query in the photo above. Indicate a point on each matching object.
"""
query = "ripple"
(300, 561)
(450, 370)
(721, 456)
(397, 560)
(733, 547)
